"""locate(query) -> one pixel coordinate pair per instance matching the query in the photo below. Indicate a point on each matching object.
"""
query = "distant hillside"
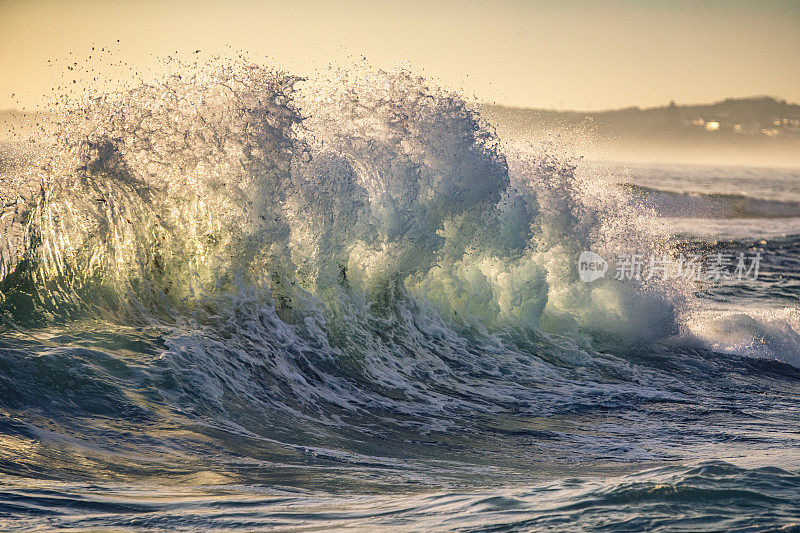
(760, 131)
(751, 131)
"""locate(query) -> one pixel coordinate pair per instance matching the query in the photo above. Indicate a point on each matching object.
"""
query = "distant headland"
(759, 131)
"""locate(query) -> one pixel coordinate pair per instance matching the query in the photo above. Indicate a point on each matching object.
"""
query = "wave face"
(196, 188)
(348, 283)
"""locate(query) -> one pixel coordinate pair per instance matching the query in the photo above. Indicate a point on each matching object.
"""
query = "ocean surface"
(237, 299)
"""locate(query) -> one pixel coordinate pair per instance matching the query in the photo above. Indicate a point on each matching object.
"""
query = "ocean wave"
(707, 496)
(692, 204)
(772, 333)
(165, 200)
(345, 273)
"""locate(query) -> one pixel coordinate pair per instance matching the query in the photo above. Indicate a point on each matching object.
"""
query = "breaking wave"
(338, 195)
(343, 272)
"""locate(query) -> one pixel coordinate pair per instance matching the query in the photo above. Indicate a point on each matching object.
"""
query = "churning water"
(239, 299)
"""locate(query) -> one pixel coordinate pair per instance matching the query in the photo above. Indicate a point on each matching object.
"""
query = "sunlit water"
(238, 300)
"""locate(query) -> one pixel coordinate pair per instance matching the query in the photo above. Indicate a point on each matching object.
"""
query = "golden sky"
(558, 54)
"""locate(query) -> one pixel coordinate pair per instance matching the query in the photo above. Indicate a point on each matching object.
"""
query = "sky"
(585, 55)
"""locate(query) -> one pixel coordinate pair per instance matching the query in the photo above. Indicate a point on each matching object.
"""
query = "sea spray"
(355, 185)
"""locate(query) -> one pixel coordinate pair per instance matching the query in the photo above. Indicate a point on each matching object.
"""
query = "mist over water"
(289, 295)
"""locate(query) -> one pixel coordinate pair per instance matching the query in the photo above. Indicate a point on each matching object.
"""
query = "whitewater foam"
(174, 192)
(358, 249)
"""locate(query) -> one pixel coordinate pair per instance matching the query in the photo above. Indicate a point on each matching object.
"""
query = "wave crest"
(338, 191)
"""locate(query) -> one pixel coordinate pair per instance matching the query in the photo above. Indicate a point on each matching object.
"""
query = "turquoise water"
(239, 300)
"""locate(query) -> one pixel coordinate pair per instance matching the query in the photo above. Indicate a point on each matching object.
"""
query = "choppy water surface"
(236, 299)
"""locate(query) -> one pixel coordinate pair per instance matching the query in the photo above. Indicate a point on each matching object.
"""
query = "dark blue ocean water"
(354, 307)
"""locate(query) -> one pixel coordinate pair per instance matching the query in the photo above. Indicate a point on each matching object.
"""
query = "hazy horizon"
(540, 108)
(635, 135)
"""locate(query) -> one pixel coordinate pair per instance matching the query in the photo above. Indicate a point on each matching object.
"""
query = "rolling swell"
(703, 498)
(712, 205)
